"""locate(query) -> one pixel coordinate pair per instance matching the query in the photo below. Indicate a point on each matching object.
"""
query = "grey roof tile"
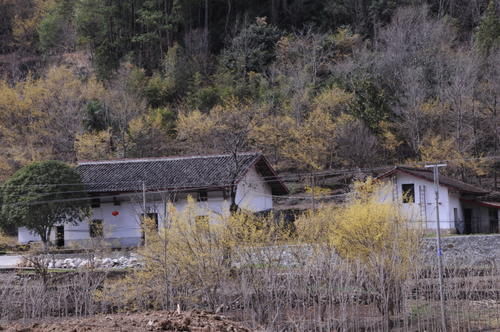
(173, 173)
(427, 174)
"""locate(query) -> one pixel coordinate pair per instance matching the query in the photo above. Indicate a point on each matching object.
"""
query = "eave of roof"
(495, 205)
(444, 180)
(119, 186)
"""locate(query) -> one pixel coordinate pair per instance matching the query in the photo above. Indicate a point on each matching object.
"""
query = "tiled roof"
(427, 174)
(173, 173)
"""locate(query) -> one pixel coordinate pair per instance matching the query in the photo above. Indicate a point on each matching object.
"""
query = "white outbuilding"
(463, 208)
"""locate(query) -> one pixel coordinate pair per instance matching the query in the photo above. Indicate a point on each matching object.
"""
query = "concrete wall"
(253, 193)
(423, 210)
(124, 229)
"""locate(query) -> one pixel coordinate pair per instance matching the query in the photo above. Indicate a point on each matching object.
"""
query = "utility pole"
(313, 184)
(435, 168)
(143, 219)
(144, 198)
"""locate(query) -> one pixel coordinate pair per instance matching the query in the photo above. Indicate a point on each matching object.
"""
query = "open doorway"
(60, 236)
(493, 220)
(467, 221)
(151, 216)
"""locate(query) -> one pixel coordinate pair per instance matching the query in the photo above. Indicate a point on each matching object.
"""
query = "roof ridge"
(419, 169)
(168, 158)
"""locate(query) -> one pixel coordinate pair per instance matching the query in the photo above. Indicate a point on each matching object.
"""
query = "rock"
(132, 260)
(166, 325)
(106, 262)
(57, 264)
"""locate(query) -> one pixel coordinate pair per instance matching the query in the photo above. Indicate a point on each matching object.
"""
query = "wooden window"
(95, 228)
(202, 196)
(95, 203)
(408, 193)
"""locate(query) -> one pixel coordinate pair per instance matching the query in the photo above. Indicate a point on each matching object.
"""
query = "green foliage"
(488, 31)
(371, 103)
(53, 28)
(95, 117)
(202, 97)
(253, 49)
(113, 29)
(38, 197)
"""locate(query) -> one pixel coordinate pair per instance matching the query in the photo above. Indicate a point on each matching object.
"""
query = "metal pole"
(313, 181)
(439, 250)
(144, 198)
(143, 221)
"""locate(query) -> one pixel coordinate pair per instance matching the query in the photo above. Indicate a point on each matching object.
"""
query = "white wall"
(455, 203)
(124, 229)
(253, 193)
(423, 210)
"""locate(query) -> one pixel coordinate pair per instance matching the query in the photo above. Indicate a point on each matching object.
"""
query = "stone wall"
(469, 250)
(458, 251)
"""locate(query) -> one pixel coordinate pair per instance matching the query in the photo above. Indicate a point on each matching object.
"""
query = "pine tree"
(488, 33)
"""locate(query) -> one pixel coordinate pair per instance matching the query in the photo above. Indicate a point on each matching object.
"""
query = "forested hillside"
(314, 84)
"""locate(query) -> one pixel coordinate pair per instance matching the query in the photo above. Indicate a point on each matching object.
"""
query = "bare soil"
(148, 321)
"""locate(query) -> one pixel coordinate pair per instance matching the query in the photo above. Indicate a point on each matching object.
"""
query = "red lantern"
(115, 213)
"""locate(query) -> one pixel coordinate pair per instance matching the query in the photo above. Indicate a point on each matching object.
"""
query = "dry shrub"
(184, 262)
(192, 260)
(370, 233)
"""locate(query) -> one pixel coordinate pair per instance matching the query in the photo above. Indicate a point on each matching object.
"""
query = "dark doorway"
(152, 216)
(493, 214)
(60, 236)
(467, 221)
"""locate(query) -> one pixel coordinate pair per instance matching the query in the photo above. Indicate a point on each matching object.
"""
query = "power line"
(295, 175)
(266, 179)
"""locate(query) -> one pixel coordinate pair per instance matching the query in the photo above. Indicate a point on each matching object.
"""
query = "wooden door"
(60, 236)
(468, 221)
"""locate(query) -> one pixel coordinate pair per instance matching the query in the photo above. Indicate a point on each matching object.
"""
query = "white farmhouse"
(463, 208)
(122, 191)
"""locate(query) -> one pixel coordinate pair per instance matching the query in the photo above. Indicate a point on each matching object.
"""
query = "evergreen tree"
(488, 32)
(39, 195)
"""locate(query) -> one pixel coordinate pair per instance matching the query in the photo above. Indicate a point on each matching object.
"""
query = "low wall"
(462, 250)
(465, 249)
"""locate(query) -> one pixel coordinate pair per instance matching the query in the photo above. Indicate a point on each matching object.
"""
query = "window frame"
(408, 199)
(95, 232)
(202, 196)
(95, 203)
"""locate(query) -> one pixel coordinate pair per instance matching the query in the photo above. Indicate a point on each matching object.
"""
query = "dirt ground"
(149, 321)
